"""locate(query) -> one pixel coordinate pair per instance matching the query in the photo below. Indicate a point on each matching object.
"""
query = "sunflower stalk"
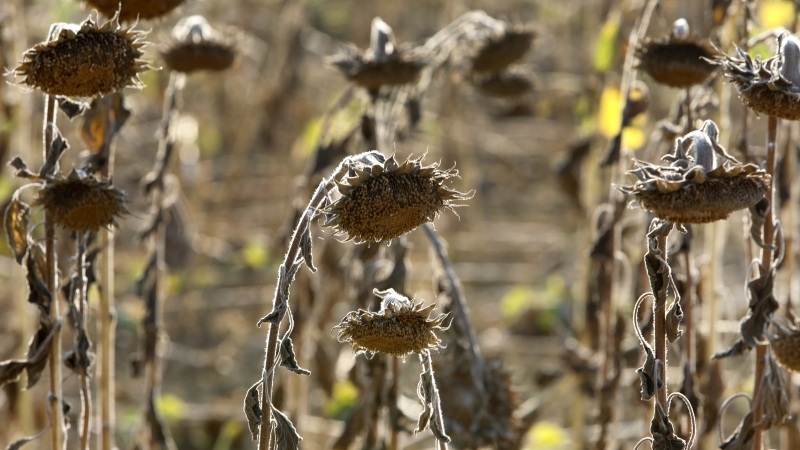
(281, 300)
(81, 299)
(58, 433)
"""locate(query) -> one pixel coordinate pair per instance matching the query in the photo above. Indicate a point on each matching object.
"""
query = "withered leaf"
(286, 434)
(305, 248)
(57, 148)
(772, 398)
(758, 217)
(18, 444)
(674, 319)
(252, 410)
(21, 168)
(38, 294)
(663, 433)
(754, 326)
(738, 348)
(17, 219)
(38, 351)
(10, 370)
(96, 121)
(658, 272)
(275, 316)
(288, 358)
(70, 108)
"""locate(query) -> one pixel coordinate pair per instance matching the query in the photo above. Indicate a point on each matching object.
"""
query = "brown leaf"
(663, 432)
(742, 438)
(674, 319)
(17, 218)
(252, 410)
(96, 121)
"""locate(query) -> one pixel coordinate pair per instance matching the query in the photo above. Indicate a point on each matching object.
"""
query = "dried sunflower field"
(308, 224)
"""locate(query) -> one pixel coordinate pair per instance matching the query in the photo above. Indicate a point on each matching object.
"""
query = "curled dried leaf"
(252, 410)
(71, 108)
(288, 358)
(772, 399)
(286, 435)
(674, 319)
(663, 432)
(17, 219)
(754, 326)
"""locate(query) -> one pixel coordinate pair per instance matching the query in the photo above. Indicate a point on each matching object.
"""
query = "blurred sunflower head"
(502, 47)
(679, 60)
(508, 83)
(694, 189)
(85, 60)
(786, 343)
(770, 87)
(81, 203)
(382, 200)
(400, 327)
(135, 9)
(196, 46)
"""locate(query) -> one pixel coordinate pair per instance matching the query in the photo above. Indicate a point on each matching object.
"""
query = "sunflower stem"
(86, 393)
(759, 439)
(58, 434)
(660, 334)
(278, 302)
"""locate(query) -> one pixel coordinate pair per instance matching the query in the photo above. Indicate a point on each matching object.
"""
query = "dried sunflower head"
(135, 9)
(82, 203)
(508, 83)
(769, 87)
(502, 47)
(786, 343)
(197, 46)
(677, 60)
(383, 64)
(85, 60)
(693, 188)
(399, 328)
(382, 200)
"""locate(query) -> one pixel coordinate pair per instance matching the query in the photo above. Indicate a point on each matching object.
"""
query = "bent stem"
(759, 439)
(279, 303)
(58, 434)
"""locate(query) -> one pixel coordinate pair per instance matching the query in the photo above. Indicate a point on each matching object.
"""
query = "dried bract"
(503, 48)
(382, 200)
(136, 9)
(196, 46)
(85, 60)
(677, 60)
(82, 203)
(383, 64)
(399, 328)
(770, 87)
(691, 189)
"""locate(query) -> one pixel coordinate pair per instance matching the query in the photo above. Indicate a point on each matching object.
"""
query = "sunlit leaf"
(17, 217)
(633, 138)
(605, 48)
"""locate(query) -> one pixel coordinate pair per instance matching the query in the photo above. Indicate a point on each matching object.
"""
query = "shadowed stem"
(58, 435)
(461, 310)
(278, 302)
(394, 395)
(660, 333)
(759, 440)
(86, 393)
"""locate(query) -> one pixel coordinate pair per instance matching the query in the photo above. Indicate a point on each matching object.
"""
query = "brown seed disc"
(408, 332)
(389, 206)
(761, 99)
(677, 64)
(79, 206)
(786, 350)
(133, 9)
(713, 200)
(191, 57)
(504, 84)
(502, 51)
(372, 75)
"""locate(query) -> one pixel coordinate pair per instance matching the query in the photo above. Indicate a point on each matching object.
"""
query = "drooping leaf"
(252, 410)
(17, 218)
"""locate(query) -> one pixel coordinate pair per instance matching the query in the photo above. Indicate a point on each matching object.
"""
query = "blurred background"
(247, 138)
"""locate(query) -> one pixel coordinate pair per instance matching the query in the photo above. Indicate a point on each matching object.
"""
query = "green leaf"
(605, 49)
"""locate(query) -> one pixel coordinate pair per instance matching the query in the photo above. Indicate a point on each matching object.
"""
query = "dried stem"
(427, 366)
(83, 309)
(660, 332)
(394, 395)
(58, 434)
(108, 313)
(759, 440)
(278, 302)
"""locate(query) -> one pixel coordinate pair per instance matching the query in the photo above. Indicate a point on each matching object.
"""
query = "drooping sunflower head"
(400, 327)
(136, 9)
(770, 87)
(508, 83)
(786, 344)
(680, 60)
(693, 189)
(382, 200)
(82, 203)
(383, 64)
(502, 47)
(85, 60)
(196, 46)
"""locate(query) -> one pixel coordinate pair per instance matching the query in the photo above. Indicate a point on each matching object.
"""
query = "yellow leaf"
(606, 45)
(610, 114)
(518, 299)
(547, 435)
(255, 254)
(344, 397)
(172, 407)
(776, 13)
(633, 138)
